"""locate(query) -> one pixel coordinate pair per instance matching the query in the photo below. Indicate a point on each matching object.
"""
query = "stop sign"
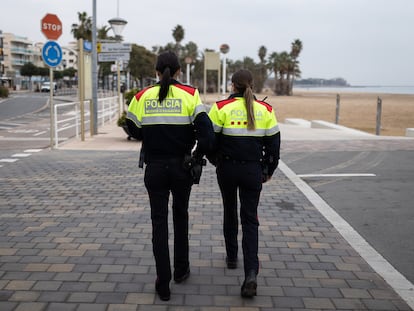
(51, 26)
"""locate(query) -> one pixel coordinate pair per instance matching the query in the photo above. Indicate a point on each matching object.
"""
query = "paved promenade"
(75, 234)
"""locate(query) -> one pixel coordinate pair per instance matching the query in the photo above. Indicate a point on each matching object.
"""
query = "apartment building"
(17, 51)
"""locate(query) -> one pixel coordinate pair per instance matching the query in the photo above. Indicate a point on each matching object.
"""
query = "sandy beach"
(357, 110)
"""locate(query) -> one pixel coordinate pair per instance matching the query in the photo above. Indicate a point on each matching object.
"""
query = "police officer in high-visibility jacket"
(246, 155)
(170, 119)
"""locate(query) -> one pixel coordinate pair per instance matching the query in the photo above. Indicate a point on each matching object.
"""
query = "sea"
(361, 89)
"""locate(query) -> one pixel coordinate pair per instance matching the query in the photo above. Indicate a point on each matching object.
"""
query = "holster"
(141, 157)
(265, 172)
(195, 167)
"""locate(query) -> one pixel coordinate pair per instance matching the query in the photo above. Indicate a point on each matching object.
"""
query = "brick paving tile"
(73, 238)
(92, 307)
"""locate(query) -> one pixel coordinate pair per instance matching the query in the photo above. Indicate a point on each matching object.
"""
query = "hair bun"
(167, 60)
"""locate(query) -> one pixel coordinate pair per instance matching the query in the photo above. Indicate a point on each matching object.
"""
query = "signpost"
(113, 57)
(211, 62)
(114, 47)
(115, 52)
(51, 27)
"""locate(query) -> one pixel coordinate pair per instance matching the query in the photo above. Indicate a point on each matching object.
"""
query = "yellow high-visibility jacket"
(170, 128)
(235, 141)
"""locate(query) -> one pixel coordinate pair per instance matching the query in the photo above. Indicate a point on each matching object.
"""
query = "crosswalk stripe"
(6, 160)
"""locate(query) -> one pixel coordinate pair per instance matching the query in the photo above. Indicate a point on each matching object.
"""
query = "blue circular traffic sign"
(52, 54)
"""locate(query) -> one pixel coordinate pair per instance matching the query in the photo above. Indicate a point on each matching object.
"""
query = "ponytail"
(165, 84)
(167, 65)
(249, 99)
(243, 83)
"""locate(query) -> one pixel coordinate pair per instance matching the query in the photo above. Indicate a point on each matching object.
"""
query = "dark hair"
(243, 83)
(167, 65)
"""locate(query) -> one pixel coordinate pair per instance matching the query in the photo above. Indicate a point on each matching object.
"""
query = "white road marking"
(21, 155)
(335, 175)
(11, 123)
(23, 138)
(22, 131)
(27, 153)
(33, 150)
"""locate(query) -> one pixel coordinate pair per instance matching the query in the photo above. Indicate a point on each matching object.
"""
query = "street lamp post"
(224, 48)
(118, 25)
(188, 60)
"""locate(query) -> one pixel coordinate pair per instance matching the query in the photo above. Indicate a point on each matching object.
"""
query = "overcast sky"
(366, 42)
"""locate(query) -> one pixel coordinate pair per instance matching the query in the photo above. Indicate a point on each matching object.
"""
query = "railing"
(107, 109)
(68, 117)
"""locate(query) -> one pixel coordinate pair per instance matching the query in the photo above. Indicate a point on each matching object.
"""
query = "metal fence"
(71, 119)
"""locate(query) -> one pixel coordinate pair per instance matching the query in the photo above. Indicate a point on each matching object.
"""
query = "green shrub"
(4, 92)
(122, 120)
(128, 95)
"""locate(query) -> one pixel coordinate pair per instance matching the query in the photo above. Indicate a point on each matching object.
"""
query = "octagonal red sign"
(51, 26)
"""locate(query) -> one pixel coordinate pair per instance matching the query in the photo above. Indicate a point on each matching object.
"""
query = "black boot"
(249, 286)
(163, 290)
(181, 278)
(231, 263)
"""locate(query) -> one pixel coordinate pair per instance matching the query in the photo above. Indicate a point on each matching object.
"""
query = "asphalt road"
(379, 207)
(25, 121)
(19, 105)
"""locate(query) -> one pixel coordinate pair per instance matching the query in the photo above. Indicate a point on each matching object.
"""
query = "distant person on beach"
(246, 155)
(170, 119)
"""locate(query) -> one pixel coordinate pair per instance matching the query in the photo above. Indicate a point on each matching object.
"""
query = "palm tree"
(280, 64)
(275, 65)
(262, 72)
(178, 34)
(84, 28)
(285, 65)
(191, 50)
(103, 33)
(262, 53)
(296, 48)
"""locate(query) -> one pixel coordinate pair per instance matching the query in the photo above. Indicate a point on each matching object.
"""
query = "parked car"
(46, 87)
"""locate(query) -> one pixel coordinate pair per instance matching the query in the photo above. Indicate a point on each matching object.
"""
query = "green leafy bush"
(4, 92)
(128, 95)
(122, 120)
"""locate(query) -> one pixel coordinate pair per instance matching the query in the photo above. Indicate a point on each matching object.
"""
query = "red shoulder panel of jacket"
(268, 107)
(189, 89)
(139, 94)
(224, 102)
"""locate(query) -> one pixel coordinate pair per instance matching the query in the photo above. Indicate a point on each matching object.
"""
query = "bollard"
(379, 111)
(338, 102)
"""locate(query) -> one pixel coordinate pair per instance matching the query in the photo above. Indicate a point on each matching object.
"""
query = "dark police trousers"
(247, 178)
(162, 178)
